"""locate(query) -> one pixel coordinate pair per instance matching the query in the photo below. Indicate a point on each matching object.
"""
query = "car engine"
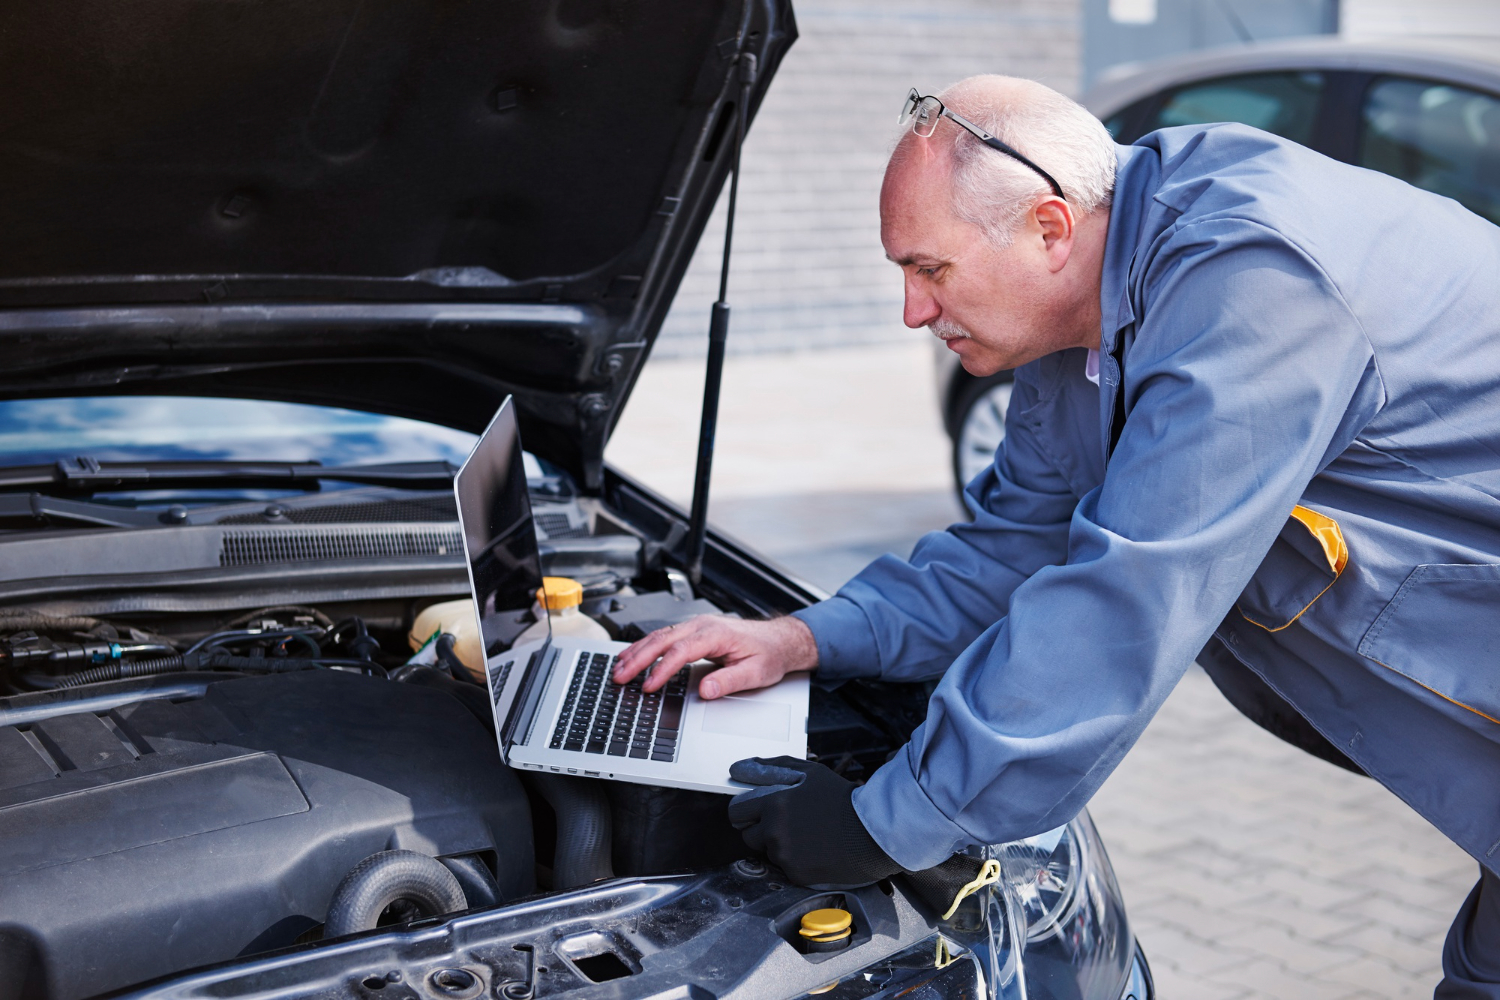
(201, 816)
(185, 788)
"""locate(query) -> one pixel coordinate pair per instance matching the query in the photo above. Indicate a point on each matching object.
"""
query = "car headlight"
(1057, 895)
(1063, 891)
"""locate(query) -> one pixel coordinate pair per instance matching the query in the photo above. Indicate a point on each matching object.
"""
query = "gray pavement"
(825, 538)
(1250, 869)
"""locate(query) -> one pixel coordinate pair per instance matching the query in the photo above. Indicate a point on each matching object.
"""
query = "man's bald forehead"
(916, 160)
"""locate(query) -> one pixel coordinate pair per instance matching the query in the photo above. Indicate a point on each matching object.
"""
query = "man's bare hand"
(750, 654)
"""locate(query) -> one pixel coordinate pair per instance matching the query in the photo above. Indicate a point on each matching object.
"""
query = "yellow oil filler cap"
(827, 927)
(559, 592)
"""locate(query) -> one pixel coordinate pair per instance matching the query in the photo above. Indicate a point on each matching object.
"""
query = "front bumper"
(725, 935)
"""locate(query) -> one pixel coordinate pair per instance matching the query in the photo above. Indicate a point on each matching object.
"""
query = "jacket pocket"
(1442, 630)
(1304, 561)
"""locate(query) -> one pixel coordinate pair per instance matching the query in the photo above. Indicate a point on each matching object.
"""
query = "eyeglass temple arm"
(1010, 151)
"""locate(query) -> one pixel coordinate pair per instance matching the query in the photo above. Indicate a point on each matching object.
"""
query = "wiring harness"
(43, 652)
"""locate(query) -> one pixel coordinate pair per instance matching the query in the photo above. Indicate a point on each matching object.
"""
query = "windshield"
(174, 428)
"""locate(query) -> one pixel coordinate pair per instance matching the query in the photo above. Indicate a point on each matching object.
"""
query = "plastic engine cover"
(164, 834)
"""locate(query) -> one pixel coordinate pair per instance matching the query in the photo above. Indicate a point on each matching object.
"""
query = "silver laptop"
(556, 706)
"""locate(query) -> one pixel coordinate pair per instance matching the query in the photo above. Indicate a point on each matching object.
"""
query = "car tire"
(977, 423)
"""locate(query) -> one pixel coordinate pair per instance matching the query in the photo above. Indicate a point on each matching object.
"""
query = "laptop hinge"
(718, 333)
(533, 683)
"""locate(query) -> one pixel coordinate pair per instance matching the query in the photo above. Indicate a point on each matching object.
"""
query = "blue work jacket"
(1307, 470)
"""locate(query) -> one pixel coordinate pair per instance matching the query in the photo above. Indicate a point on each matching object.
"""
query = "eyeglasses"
(924, 112)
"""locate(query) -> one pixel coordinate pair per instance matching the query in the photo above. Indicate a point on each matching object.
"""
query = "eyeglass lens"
(925, 119)
(909, 107)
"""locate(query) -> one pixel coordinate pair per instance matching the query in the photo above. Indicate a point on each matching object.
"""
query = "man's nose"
(921, 307)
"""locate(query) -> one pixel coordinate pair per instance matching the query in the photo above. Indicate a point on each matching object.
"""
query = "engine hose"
(449, 659)
(475, 879)
(391, 877)
(583, 828)
(119, 669)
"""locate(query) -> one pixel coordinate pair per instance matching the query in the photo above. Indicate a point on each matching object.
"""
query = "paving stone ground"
(1249, 868)
(1252, 869)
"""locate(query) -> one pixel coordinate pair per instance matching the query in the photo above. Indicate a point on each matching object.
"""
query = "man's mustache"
(946, 329)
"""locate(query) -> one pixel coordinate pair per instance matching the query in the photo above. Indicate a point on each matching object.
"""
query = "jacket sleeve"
(907, 619)
(1246, 376)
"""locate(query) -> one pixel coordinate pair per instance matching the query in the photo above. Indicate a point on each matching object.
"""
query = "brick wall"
(808, 270)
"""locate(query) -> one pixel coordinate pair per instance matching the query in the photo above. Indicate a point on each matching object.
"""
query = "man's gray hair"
(994, 191)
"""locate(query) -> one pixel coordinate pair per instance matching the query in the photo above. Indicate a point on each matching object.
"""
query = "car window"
(1439, 137)
(1123, 124)
(1283, 103)
(171, 428)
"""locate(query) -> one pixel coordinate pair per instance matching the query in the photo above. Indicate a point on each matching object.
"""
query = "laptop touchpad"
(733, 716)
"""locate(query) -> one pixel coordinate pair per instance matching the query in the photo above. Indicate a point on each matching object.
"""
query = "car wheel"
(978, 424)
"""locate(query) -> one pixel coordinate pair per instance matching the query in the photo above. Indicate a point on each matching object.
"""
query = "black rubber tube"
(391, 877)
(474, 878)
(584, 834)
(120, 669)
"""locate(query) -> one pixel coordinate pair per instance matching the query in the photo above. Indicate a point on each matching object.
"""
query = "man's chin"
(978, 363)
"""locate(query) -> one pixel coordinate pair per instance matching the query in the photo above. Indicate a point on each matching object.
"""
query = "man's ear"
(1055, 219)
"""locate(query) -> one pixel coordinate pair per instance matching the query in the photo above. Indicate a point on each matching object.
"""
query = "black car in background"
(268, 267)
(1426, 111)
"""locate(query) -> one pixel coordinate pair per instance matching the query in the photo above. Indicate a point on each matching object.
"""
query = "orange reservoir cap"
(826, 925)
(559, 592)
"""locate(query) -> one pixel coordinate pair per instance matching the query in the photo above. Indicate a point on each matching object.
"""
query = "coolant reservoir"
(560, 596)
(457, 618)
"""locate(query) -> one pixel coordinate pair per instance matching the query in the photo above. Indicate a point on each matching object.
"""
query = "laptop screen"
(505, 568)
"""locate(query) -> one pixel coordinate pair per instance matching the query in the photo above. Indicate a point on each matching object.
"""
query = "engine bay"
(186, 787)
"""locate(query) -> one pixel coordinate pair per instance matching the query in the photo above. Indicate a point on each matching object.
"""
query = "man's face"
(995, 307)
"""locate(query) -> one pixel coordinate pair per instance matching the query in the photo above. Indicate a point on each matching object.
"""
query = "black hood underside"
(414, 208)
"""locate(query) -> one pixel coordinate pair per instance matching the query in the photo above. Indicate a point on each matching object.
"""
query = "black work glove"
(940, 885)
(803, 820)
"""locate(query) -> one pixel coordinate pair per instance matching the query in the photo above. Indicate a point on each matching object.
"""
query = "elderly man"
(1256, 421)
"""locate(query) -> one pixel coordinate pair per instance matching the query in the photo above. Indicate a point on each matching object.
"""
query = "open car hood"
(412, 208)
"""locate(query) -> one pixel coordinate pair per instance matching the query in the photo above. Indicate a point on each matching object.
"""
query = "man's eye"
(927, 272)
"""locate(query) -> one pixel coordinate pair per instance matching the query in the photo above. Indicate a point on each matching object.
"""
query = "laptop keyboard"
(600, 716)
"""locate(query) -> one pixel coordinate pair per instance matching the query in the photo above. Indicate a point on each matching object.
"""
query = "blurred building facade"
(808, 269)
(1369, 19)
(1120, 32)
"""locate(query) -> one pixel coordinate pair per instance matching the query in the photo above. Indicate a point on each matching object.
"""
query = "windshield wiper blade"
(83, 476)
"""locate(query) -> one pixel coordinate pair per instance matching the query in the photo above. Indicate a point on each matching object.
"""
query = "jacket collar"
(1137, 177)
(1136, 180)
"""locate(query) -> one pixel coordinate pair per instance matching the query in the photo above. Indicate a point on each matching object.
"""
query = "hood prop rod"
(718, 333)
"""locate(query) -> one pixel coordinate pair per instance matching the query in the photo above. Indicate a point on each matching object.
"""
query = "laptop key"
(639, 753)
(661, 756)
(671, 712)
(618, 748)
